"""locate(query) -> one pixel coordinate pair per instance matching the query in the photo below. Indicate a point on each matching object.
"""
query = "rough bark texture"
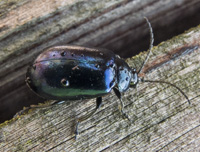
(162, 118)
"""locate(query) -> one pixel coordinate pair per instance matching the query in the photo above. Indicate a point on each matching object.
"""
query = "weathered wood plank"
(162, 118)
(27, 27)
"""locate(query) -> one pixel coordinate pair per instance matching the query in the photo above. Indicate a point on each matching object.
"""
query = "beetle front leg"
(98, 104)
(121, 105)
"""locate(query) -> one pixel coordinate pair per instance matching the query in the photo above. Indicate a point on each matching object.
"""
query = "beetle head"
(124, 75)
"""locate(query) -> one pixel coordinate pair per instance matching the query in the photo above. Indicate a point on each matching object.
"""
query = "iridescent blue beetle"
(74, 73)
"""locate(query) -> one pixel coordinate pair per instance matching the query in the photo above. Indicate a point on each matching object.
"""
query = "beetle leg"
(98, 104)
(121, 105)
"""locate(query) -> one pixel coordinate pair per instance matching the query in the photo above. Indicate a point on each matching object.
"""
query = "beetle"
(74, 72)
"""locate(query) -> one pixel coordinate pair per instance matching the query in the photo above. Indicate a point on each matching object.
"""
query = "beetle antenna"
(173, 85)
(150, 45)
(146, 59)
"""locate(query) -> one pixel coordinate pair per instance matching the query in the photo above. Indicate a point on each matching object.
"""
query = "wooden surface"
(162, 119)
(29, 26)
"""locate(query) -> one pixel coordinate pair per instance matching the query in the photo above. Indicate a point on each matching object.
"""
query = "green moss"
(7, 122)
(29, 111)
(29, 142)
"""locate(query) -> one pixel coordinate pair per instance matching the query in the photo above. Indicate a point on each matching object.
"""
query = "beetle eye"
(64, 82)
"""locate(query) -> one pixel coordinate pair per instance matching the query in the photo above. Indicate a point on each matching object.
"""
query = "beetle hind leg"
(121, 105)
(98, 104)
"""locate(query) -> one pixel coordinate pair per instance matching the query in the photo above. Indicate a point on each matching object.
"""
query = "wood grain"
(29, 26)
(162, 118)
